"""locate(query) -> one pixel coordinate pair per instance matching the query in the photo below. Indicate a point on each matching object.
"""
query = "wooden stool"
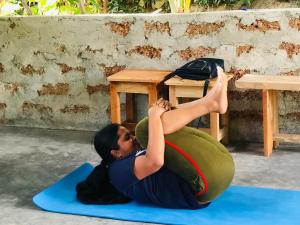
(184, 88)
(269, 86)
(133, 82)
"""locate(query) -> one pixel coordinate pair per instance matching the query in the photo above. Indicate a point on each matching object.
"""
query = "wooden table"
(269, 86)
(133, 82)
(184, 88)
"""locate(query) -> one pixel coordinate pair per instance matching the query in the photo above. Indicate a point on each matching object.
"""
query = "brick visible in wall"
(1, 68)
(249, 115)
(58, 89)
(188, 53)
(260, 25)
(27, 106)
(157, 26)
(295, 23)
(92, 89)
(65, 68)
(243, 49)
(76, 109)
(120, 28)
(2, 106)
(147, 51)
(290, 48)
(252, 95)
(12, 87)
(238, 73)
(203, 29)
(29, 70)
(291, 73)
(109, 70)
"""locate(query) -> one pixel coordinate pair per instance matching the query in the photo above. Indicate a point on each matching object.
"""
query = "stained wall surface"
(53, 69)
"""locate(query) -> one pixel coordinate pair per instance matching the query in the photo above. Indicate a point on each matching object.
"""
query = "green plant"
(246, 3)
(206, 3)
(67, 7)
(152, 4)
(124, 6)
(49, 7)
(180, 5)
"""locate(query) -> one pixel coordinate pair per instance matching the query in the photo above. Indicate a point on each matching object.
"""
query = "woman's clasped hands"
(159, 107)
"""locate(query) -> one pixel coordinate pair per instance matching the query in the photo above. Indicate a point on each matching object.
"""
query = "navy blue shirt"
(163, 188)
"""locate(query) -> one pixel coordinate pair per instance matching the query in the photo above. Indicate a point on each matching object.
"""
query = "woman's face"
(126, 142)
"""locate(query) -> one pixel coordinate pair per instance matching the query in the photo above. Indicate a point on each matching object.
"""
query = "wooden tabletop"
(267, 82)
(145, 76)
(178, 81)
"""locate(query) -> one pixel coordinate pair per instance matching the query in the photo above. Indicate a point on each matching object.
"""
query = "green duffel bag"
(197, 157)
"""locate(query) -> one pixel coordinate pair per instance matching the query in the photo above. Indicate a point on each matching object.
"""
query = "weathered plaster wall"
(53, 69)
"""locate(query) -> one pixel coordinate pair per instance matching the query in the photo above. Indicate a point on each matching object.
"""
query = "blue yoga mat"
(236, 206)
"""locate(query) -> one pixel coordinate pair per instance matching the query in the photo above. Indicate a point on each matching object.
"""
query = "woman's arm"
(156, 141)
(153, 160)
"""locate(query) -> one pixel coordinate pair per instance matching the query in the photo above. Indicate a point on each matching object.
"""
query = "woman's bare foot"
(215, 87)
(219, 100)
(216, 98)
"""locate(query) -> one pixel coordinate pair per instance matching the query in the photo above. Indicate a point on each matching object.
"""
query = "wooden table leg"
(115, 108)
(267, 122)
(275, 117)
(225, 123)
(153, 95)
(172, 96)
(214, 125)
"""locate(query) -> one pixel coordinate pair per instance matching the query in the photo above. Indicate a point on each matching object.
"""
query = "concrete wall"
(53, 69)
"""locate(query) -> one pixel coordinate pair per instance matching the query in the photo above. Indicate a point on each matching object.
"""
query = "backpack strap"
(206, 83)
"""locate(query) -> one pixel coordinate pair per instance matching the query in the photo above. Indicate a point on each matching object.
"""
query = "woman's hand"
(159, 107)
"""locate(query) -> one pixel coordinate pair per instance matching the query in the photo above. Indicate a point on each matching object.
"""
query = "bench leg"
(225, 123)
(275, 117)
(172, 96)
(267, 122)
(214, 125)
(153, 95)
(115, 108)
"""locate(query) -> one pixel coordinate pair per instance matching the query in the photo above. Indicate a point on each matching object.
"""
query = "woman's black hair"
(105, 140)
(97, 189)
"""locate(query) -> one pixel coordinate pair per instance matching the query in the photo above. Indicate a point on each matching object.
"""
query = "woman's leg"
(215, 101)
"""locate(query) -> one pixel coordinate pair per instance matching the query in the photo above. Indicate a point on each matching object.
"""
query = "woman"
(127, 172)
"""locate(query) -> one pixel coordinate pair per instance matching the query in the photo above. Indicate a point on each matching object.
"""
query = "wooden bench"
(269, 86)
(133, 82)
(184, 88)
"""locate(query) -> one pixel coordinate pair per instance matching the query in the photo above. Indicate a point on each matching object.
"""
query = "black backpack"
(199, 69)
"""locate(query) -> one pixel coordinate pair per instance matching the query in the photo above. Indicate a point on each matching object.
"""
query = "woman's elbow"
(157, 164)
